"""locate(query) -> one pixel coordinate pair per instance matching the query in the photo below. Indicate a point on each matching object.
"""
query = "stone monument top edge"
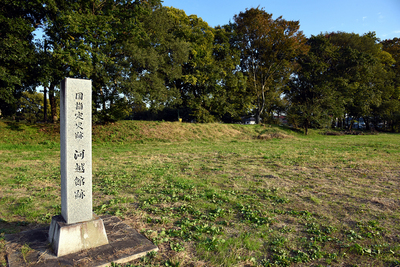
(80, 79)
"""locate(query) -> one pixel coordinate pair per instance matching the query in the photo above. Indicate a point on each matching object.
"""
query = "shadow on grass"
(14, 126)
(7, 227)
(289, 129)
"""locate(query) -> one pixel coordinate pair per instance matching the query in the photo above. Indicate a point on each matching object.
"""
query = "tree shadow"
(26, 243)
(14, 126)
(14, 227)
(291, 129)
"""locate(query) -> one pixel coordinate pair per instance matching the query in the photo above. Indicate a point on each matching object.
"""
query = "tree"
(390, 108)
(231, 99)
(393, 48)
(311, 94)
(155, 58)
(209, 85)
(360, 71)
(18, 59)
(77, 33)
(125, 47)
(269, 51)
(31, 106)
(51, 72)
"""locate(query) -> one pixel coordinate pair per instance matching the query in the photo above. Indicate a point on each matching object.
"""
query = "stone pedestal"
(70, 238)
(125, 244)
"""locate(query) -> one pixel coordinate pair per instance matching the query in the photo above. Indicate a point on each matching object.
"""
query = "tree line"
(147, 61)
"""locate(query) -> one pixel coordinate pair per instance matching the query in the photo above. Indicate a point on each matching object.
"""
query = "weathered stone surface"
(70, 238)
(76, 150)
(125, 244)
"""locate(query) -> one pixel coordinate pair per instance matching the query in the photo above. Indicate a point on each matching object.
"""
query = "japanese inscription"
(79, 181)
(76, 150)
(79, 155)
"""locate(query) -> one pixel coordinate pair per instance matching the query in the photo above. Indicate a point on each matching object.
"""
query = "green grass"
(249, 196)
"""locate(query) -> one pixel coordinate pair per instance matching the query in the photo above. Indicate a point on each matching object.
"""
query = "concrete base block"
(70, 238)
(125, 245)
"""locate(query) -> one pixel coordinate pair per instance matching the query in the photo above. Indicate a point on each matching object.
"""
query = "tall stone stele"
(77, 228)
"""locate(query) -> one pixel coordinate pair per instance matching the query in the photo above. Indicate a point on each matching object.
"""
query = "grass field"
(221, 195)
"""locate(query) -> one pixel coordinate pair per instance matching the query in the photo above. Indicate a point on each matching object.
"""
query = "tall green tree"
(51, 72)
(78, 34)
(125, 47)
(209, 85)
(18, 58)
(233, 99)
(392, 47)
(311, 93)
(360, 71)
(31, 107)
(269, 48)
(155, 58)
(389, 111)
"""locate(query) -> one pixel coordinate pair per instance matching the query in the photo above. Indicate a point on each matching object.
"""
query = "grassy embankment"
(216, 195)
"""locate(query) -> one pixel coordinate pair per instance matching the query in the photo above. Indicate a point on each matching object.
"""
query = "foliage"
(18, 61)
(152, 62)
(208, 85)
(393, 48)
(361, 73)
(116, 56)
(390, 109)
(31, 107)
(269, 50)
(311, 93)
(156, 57)
(343, 76)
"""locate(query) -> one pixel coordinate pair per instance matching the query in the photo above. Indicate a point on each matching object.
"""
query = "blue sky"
(315, 16)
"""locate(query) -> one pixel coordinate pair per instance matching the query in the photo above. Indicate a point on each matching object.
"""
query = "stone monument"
(77, 227)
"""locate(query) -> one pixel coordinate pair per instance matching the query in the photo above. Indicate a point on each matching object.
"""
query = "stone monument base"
(70, 238)
(125, 245)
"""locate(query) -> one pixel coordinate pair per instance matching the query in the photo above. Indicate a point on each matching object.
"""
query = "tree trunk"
(103, 99)
(53, 105)
(366, 121)
(306, 127)
(45, 104)
(279, 120)
(258, 116)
